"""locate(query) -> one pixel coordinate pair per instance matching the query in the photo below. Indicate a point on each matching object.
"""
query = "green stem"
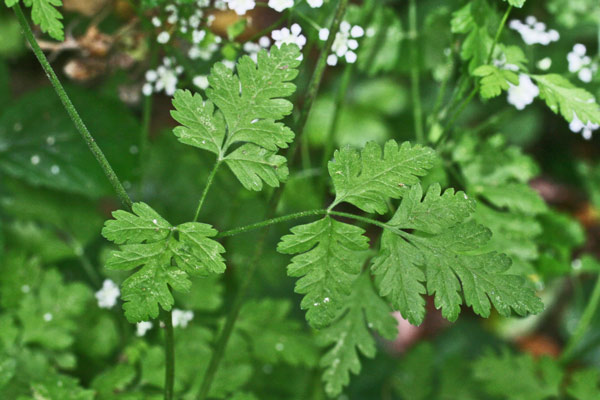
(169, 356)
(498, 33)
(584, 323)
(68, 105)
(317, 77)
(209, 182)
(269, 222)
(414, 72)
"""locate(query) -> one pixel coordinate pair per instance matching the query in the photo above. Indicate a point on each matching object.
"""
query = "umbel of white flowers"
(534, 31)
(581, 64)
(345, 42)
(241, 7)
(164, 78)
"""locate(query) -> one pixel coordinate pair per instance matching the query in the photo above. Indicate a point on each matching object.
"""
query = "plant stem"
(473, 92)
(169, 356)
(209, 182)
(269, 222)
(311, 94)
(584, 323)
(414, 72)
(68, 105)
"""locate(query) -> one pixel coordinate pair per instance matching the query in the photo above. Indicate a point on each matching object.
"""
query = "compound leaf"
(494, 80)
(369, 178)
(584, 385)
(328, 263)
(252, 165)
(45, 14)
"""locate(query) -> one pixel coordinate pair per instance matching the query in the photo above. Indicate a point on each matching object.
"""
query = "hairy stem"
(269, 222)
(169, 356)
(583, 324)
(209, 182)
(68, 105)
(414, 72)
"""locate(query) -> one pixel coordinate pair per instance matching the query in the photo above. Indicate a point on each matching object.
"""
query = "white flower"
(163, 79)
(534, 32)
(264, 42)
(586, 129)
(544, 64)
(240, 6)
(204, 52)
(142, 328)
(280, 5)
(252, 50)
(156, 22)
(48, 317)
(345, 42)
(288, 36)
(582, 64)
(201, 81)
(163, 37)
(522, 95)
(108, 295)
(315, 3)
(198, 36)
(181, 318)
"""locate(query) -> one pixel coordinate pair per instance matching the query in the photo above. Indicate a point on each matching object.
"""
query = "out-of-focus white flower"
(181, 318)
(586, 130)
(544, 64)
(203, 52)
(534, 32)
(198, 36)
(164, 78)
(582, 64)
(523, 94)
(280, 5)
(315, 3)
(345, 42)
(109, 293)
(156, 22)
(142, 328)
(163, 37)
(201, 81)
(264, 42)
(240, 6)
(287, 36)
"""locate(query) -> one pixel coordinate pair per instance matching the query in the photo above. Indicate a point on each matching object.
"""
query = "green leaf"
(518, 377)
(517, 197)
(562, 96)
(275, 337)
(350, 334)
(10, 3)
(584, 385)
(415, 379)
(249, 105)
(398, 264)
(328, 264)
(494, 80)
(44, 14)
(472, 20)
(60, 387)
(450, 252)
(380, 52)
(148, 240)
(369, 178)
(516, 3)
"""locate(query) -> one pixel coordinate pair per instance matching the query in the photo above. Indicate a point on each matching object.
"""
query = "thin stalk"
(269, 222)
(169, 356)
(209, 182)
(584, 323)
(70, 108)
(473, 92)
(147, 108)
(414, 72)
(311, 94)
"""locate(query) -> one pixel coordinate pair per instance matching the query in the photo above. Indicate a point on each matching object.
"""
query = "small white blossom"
(201, 81)
(142, 328)
(534, 32)
(221, 4)
(544, 64)
(315, 3)
(163, 37)
(156, 22)
(252, 50)
(203, 52)
(280, 5)
(522, 95)
(586, 129)
(240, 6)
(287, 36)
(181, 318)
(198, 36)
(203, 3)
(165, 78)
(108, 295)
(582, 64)
(48, 317)
(264, 42)
(345, 42)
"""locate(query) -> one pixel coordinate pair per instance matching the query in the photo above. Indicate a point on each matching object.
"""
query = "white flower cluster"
(191, 24)
(164, 78)
(181, 318)
(534, 32)
(108, 295)
(288, 36)
(345, 42)
(243, 6)
(252, 49)
(524, 93)
(142, 328)
(581, 64)
(586, 129)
